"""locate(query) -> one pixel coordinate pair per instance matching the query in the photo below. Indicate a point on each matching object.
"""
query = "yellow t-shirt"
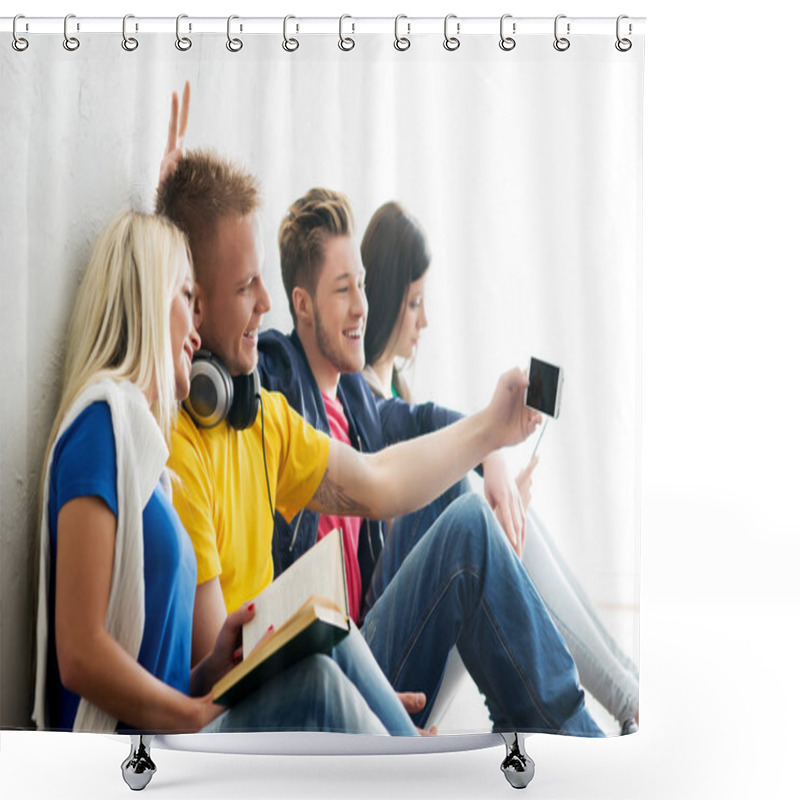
(220, 491)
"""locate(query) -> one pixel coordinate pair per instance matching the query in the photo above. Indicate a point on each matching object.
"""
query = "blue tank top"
(84, 465)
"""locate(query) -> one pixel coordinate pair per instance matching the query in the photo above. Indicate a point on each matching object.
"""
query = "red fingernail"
(271, 628)
(251, 606)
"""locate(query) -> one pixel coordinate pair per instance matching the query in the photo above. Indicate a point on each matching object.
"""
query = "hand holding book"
(290, 621)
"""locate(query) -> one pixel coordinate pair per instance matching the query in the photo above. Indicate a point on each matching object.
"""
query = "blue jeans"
(461, 584)
(604, 669)
(403, 534)
(354, 658)
(345, 692)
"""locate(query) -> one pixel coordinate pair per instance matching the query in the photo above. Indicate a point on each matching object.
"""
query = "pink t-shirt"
(350, 525)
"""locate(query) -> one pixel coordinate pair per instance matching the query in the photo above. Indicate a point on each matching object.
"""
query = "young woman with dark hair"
(396, 257)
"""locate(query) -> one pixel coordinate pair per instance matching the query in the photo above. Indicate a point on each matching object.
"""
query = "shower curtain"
(523, 164)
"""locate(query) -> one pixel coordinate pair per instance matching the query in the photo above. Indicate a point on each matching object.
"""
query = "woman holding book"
(116, 568)
(395, 254)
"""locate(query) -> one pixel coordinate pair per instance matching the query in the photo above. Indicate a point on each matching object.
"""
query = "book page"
(320, 571)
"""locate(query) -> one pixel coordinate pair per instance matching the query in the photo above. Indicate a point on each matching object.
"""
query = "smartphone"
(544, 387)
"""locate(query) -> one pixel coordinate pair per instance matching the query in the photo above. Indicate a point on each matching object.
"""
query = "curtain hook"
(623, 45)
(346, 43)
(506, 42)
(451, 42)
(128, 42)
(289, 44)
(70, 42)
(233, 44)
(183, 43)
(561, 43)
(401, 43)
(18, 43)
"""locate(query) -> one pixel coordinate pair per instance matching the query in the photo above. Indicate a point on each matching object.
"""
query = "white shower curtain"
(524, 167)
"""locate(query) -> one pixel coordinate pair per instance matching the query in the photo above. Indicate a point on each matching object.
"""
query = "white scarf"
(141, 454)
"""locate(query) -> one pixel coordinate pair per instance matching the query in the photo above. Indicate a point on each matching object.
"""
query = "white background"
(720, 603)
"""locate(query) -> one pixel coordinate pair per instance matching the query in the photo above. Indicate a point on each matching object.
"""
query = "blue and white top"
(84, 465)
(109, 446)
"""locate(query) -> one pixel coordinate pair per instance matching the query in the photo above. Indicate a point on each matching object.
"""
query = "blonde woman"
(117, 571)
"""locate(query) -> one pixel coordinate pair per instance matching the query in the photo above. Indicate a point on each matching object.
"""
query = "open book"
(307, 609)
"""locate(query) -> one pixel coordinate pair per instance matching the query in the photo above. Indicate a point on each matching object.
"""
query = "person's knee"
(470, 506)
(476, 514)
(470, 527)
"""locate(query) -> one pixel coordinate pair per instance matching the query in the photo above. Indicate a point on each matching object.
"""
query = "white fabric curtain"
(524, 168)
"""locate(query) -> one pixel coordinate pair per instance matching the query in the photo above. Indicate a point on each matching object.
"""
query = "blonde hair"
(204, 189)
(120, 325)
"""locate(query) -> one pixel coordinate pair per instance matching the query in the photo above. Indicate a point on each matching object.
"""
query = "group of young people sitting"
(157, 532)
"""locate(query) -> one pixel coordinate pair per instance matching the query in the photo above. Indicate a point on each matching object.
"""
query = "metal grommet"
(19, 43)
(506, 42)
(401, 43)
(289, 44)
(233, 44)
(128, 42)
(346, 43)
(451, 42)
(561, 43)
(71, 43)
(183, 43)
(623, 45)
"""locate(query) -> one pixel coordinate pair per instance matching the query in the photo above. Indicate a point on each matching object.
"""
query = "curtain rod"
(324, 25)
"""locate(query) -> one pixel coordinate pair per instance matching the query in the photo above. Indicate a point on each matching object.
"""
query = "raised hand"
(178, 120)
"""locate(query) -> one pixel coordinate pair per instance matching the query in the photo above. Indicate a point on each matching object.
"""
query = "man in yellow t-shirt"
(216, 500)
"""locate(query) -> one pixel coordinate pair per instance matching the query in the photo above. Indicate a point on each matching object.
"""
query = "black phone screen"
(543, 386)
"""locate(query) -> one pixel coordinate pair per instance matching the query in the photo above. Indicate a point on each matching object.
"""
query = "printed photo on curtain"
(321, 380)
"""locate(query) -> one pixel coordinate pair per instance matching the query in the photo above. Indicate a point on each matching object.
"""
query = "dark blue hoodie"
(283, 367)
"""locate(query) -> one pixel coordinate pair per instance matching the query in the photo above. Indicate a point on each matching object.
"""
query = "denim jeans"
(403, 534)
(605, 671)
(345, 692)
(353, 657)
(461, 584)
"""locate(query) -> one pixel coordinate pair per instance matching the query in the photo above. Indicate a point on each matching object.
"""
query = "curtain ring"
(623, 45)
(506, 42)
(70, 42)
(183, 43)
(401, 43)
(18, 43)
(451, 42)
(233, 44)
(346, 43)
(128, 42)
(289, 44)
(561, 43)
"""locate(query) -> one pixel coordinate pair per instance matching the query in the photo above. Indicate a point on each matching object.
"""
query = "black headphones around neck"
(215, 396)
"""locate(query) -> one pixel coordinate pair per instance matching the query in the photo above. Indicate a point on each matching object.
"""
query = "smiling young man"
(458, 583)
(220, 491)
